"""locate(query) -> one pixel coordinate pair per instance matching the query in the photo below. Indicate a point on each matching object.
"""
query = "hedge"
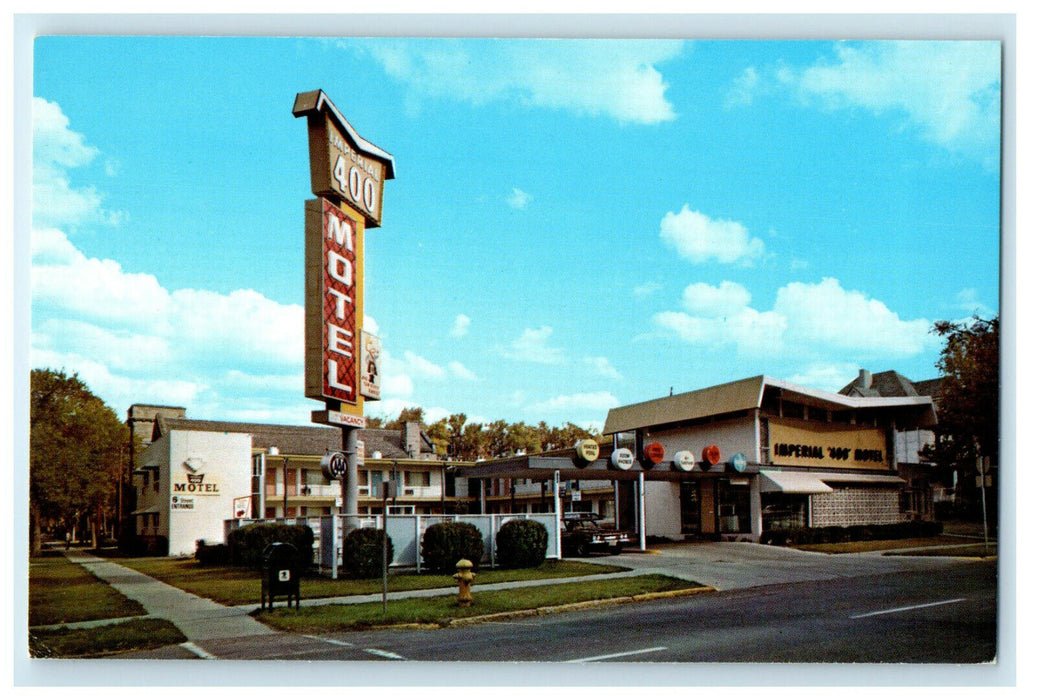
(853, 533)
(211, 554)
(247, 543)
(362, 552)
(521, 544)
(444, 544)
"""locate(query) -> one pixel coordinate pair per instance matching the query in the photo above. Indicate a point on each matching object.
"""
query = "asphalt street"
(946, 615)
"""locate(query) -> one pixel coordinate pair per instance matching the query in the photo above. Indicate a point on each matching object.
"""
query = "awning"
(791, 482)
(839, 478)
(145, 511)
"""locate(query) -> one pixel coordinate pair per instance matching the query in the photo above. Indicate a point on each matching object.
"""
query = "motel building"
(726, 462)
(194, 476)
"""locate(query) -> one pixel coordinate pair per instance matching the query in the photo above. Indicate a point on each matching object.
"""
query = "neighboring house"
(924, 486)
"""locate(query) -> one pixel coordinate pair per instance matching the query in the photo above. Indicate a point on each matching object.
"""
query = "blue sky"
(574, 225)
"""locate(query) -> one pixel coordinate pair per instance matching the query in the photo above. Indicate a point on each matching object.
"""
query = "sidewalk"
(198, 618)
(201, 619)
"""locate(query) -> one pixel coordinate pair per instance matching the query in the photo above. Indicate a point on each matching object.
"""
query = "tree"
(414, 414)
(969, 394)
(76, 453)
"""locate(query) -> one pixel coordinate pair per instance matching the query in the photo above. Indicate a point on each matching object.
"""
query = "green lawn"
(440, 610)
(878, 545)
(60, 591)
(66, 643)
(239, 586)
(965, 550)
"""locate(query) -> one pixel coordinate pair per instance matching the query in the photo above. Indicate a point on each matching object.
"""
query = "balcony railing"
(334, 491)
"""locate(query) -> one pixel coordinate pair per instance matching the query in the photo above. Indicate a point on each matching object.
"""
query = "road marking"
(377, 652)
(385, 654)
(909, 607)
(197, 650)
(328, 641)
(615, 656)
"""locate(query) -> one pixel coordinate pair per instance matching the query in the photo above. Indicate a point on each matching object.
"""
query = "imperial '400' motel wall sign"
(347, 174)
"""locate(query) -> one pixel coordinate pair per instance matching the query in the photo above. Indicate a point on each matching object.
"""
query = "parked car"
(582, 533)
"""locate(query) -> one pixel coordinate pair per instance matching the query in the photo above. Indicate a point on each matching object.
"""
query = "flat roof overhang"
(543, 467)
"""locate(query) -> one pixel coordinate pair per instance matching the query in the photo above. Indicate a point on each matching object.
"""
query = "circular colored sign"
(622, 459)
(653, 453)
(684, 460)
(586, 452)
(738, 461)
(333, 465)
(711, 454)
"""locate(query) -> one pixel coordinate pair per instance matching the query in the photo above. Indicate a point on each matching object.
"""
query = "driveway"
(732, 565)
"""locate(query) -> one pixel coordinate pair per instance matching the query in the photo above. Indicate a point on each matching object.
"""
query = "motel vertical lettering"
(339, 303)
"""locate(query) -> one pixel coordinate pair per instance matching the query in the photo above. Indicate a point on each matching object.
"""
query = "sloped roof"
(891, 383)
(732, 397)
(746, 395)
(888, 383)
(296, 439)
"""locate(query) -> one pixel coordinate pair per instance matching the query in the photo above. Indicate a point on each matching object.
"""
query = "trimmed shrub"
(362, 552)
(211, 554)
(853, 533)
(247, 543)
(521, 544)
(444, 544)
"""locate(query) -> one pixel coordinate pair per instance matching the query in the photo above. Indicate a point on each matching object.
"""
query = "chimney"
(412, 438)
(864, 380)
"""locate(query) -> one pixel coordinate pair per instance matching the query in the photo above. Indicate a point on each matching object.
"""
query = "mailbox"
(281, 573)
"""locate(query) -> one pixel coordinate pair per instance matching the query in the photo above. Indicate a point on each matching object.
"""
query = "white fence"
(405, 531)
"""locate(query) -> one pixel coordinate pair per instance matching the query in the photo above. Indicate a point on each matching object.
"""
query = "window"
(417, 479)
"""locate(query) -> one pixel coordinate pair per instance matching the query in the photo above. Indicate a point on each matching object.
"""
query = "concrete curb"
(582, 605)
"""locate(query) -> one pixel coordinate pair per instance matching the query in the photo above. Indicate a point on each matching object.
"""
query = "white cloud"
(595, 401)
(132, 340)
(699, 239)
(704, 300)
(826, 315)
(56, 149)
(825, 376)
(418, 366)
(616, 78)
(744, 88)
(461, 325)
(532, 346)
(602, 366)
(460, 371)
(370, 325)
(968, 302)
(807, 321)
(519, 199)
(951, 90)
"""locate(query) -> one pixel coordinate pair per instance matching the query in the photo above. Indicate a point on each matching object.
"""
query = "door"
(691, 508)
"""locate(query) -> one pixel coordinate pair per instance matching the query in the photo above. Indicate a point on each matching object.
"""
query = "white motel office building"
(724, 462)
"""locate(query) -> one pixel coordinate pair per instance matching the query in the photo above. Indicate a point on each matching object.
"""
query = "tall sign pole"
(347, 175)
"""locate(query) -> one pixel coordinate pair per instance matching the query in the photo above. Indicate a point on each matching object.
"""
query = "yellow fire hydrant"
(464, 578)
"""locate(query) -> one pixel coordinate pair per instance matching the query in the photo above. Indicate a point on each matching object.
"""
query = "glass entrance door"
(733, 502)
(691, 508)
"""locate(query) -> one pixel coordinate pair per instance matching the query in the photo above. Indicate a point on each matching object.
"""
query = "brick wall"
(856, 506)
